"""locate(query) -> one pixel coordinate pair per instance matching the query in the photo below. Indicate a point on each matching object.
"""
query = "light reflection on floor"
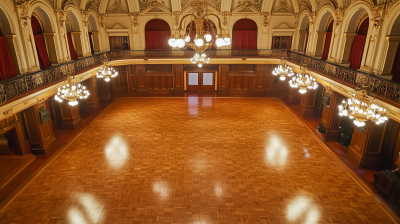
(302, 210)
(162, 189)
(276, 152)
(116, 152)
(86, 210)
(193, 104)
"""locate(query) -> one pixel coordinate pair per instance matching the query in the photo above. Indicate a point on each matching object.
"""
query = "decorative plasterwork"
(85, 15)
(392, 3)
(65, 3)
(117, 7)
(102, 19)
(213, 3)
(339, 16)
(296, 19)
(248, 5)
(225, 17)
(265, 22)
(176, 16)
(282, 6)
(377, 13)
(60, 14)
(23, 8)
(304, 5)
(135, 24)
(93, 4)
(322, 3)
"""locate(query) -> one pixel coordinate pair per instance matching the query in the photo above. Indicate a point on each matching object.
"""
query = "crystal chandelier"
(200, 59)
(205, 38)
(283, 70)
(106, 71)
(71, 92)
(303, 81)
(362, 109)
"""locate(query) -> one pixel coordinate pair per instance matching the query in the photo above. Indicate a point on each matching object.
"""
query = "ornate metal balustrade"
(384, 89)
(18, 86)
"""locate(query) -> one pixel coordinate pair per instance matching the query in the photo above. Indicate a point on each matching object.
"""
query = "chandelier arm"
(180, 24)
(219, 20)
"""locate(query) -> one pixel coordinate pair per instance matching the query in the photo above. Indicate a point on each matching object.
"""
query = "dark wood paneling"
(70, 118)
(223, 79)
(178, 78)
(92, 103)
(121, 80)
(330, 116)
(141, 78)
(132, 78)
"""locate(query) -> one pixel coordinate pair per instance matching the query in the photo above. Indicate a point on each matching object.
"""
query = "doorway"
(200, 82)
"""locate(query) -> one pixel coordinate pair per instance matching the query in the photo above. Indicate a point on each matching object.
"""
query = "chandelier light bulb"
(199, 42)
(171, 41)
(208, 37)
(227, 40)
(219, 42)
(200, 65)
(187, 39)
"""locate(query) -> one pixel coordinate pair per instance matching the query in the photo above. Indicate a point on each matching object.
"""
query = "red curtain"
(244, 39)
(396, 66)
(72, 52)
(42, 51)
(357, 51)
(157, 40)
(305, 46)
(327, 45)
(7, 69)
(91, 42)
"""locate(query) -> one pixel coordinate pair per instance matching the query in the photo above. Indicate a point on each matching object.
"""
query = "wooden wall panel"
(141, 78)
(330, 116)
(92, 103)
(132, 82)
(178, 78)
(70, 118)
(121, 80)
(223, 80)
(260, 77)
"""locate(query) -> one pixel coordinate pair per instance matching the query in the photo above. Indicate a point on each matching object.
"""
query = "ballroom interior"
(199, 111)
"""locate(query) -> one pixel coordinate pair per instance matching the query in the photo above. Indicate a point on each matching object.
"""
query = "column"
(319, 50)
(40, 134)
(366, 148)
(51, 48)
(78, 43)
(348, 39)
(330, 118)
(92, 102)
(70, 118)
(391, 49)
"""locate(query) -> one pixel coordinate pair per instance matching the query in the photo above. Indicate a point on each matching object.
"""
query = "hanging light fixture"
(71, 92)
(205, 38)
(106, 71)
(303, 81)
(283, 70)
(362, 109)
(200, 59)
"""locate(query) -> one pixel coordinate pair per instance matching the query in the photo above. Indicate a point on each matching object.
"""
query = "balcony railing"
(383, 89)
(13, 88)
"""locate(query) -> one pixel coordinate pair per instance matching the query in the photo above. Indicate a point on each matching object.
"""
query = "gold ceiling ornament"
(106, 71)
(205, 38)
(303, 80)
(72, 91)
(362, 108)
(283, 70)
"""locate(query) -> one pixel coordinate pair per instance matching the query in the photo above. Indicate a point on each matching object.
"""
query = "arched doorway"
(7, 65)
(94, 36)
(40, 43)
(244, 34)
(324, 36)
(357, 49)
(304, 34)
(157, 34)
(392, 62)
(74, 36)
(328, 40)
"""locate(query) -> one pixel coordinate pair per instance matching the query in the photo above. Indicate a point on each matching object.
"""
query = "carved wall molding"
(102, 18)
(257, 4)
(135, 24)
(60, 14)
(265, 22)
(117, 8)
(176, 16)
(85, 15)
(23, 7)
(283, 7)
(225, 16)
(339, 17)
(377, 13)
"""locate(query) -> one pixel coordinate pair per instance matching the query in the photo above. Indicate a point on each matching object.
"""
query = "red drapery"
(357, 51)
(91, 42)
(244, 39)
(157, 40)
(42, 51)
(72, 52)
(327, 45)
(7, 69)
(305, 46)
(396, 66)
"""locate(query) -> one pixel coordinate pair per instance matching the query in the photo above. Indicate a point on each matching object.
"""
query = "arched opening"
(303, 34)
(357, 49)
(244, 34)
(324, 36)
(94, 35)
(157, 33)
(41, 49)
(7, 66)
(328, 40)
(73, 36)
(392, 62)
(208, 26)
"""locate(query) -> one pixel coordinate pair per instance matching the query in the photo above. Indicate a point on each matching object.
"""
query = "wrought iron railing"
(12, 88)
(383, 89)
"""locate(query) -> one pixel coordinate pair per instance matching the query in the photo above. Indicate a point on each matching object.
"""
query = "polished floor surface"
(194, 160)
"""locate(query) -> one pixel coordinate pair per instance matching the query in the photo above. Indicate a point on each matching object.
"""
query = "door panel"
(193, 82)
(208, 82)
(200, 82)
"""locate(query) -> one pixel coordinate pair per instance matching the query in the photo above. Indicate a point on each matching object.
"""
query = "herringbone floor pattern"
(194, 160)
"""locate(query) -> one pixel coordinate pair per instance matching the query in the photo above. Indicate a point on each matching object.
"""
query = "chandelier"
(71, 92)
(362, 109)
(106, 71)
(283, 70)
(303, 81)
(200, 59)
(205, 38)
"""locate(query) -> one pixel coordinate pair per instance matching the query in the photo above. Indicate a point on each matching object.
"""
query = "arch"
(73, 21)
(5, 23)
(157, 33)
(7, 64)
(304, 23)
(93, 23)
(244, 34)
(94, 34)
(40, 43)
(75, 38)
(325, 18)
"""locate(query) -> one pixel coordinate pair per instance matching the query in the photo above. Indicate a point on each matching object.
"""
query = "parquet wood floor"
(194, 160)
